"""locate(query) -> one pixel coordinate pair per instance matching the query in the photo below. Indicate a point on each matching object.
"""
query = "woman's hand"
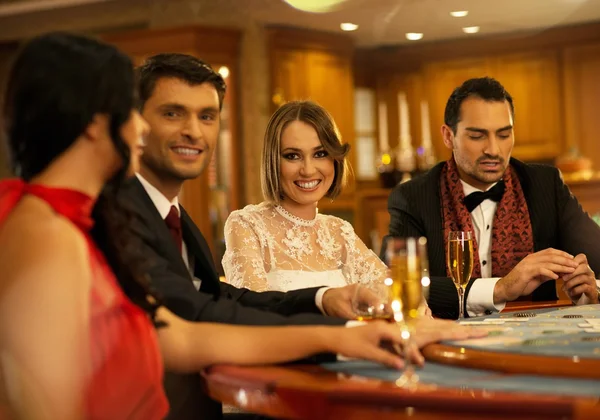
(428, 330)
(365, 342)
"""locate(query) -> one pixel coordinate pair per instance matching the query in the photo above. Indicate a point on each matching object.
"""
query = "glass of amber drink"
(459, 259)
(407, 259)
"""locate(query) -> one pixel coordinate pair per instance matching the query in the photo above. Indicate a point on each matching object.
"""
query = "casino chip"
(572, 316)
(524, 314)
(596, 338)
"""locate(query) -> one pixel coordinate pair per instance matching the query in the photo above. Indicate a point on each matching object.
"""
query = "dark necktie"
(475, 199)
(174, 224)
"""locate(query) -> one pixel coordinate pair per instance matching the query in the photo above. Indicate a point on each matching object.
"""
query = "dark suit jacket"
(557, 221)
(215, 302)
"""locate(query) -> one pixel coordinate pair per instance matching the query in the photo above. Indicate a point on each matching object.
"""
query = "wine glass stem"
(408, 375)
(407, 355)
(461, 303)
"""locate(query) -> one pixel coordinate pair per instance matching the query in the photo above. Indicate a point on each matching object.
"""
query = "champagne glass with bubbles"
(406, 259)
(459, 259)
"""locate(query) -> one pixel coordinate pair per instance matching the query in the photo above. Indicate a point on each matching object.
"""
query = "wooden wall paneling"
(212, 44)
(217, 46)
(372, 217)
(330, 84)
(581, 80)
(288, 77)
(309, 40)
(532, 78)
(411, 83)
(440, 79)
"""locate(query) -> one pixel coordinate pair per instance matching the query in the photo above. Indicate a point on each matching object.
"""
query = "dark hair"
(57, 84)
(185, 67)
(315, 115)
(485, 88)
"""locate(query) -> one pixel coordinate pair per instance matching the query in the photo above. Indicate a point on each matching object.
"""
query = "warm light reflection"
(347, 26)
(459, 13)
(386, 159)
(471, 29)
(414, 36)
(315, 6)
(224, 72)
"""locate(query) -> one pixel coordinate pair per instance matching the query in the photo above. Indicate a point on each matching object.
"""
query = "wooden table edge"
(280, 390)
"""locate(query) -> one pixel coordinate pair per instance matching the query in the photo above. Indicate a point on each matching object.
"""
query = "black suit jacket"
(557, 221)
(214, 302)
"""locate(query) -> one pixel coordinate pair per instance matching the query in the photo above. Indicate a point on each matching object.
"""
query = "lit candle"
(383, 128)
(405, 141)
(425, 128)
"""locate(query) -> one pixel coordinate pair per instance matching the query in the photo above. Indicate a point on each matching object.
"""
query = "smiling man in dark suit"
(181, 100)
(528, 228)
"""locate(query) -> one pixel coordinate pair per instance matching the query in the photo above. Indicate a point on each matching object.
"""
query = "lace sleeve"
(243, 263)
(362, 264)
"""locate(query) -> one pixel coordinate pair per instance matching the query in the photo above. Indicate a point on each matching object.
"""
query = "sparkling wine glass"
(460, 263)
(406, 258)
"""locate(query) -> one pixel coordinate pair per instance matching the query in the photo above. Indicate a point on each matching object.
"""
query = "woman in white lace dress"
(284, 243)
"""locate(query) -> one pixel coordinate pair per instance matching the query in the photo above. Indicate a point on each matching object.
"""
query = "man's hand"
(340, 301)
(531, 272)
(581, 281)
(425, 310)
(337, 301)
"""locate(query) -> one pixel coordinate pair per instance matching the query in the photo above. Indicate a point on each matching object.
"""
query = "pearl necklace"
(295, 219)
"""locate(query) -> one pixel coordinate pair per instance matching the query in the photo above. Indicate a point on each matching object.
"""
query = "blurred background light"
(315, 6)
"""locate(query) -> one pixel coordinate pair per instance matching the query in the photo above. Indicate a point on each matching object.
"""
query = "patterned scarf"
(512, 235)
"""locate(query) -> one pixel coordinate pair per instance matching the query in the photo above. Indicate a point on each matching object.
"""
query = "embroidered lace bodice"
(270, 249)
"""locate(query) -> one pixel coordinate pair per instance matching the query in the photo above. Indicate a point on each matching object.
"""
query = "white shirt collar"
(162, 204)
(468, 188)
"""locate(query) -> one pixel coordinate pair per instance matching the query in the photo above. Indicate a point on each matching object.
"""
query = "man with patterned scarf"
(528, 228)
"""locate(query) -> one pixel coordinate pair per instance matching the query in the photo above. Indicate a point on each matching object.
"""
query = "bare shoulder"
(38, 244)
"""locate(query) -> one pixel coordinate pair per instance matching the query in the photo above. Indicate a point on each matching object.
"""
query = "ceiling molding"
(35, 6)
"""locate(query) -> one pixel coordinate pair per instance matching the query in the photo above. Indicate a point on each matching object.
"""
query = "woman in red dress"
(76, 340)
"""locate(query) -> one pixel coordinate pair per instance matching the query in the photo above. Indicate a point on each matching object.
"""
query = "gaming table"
(535, 364)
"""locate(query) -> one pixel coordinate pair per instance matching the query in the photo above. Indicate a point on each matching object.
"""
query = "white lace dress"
(270, 249)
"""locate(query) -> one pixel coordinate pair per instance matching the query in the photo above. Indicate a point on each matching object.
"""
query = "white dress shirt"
(163, 205)
(481, 295)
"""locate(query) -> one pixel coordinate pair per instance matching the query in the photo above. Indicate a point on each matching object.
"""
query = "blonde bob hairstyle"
(310, 113)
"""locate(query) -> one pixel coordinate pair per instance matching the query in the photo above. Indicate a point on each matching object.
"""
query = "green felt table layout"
(572, 331)
(567, 336)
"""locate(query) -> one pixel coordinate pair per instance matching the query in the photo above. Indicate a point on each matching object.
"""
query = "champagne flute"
(460, 263)
(405, 258)
(425, 279)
